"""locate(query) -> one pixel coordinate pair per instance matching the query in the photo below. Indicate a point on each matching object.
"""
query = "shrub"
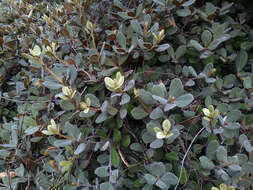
(153, 94)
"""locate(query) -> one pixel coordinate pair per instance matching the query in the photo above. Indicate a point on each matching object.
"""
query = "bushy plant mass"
(116, 94)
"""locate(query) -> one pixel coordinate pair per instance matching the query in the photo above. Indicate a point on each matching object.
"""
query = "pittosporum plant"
(153, 94)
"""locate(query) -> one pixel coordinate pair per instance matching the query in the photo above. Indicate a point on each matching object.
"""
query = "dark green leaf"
(241, 60)
(115, 158)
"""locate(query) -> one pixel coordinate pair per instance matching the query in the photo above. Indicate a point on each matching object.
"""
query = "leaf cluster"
(154, 94)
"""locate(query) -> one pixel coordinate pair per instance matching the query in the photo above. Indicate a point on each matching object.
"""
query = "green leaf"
(72, 71)
(156, 113)
(136, 147)
(147, 138)
(183, 12)
(108, 72)
(247, 145)
(208, 101)
(248, 167)
(158, 143)
(183, 175)
(67, 105)
(124, 15)
(176, 88)
(146, 97)
(169, 107)
(101, 133)
(234, 168)
(114, 176)
(115, 158)
(139, 113)
(246, 45)
(156, 169)
(125, 98)
(126, 140)
(151, 125)
(159, 90)
(161, 184)
(188, 3)
(249, 119)
(106, 186)
(206, 37)
(31, 130)
(136, 26)
(87, 115)
(180, 51)
(121, 40)
(169, 178)
(214, 44)
(101, 118)
(221, 154)
(129, 85)
(52, 85)
(233, 116)
(69, 187)
(94, 100)
(162, 47)
(20, 171)
(81, 147)
(123, 113)
(229, 81)
(219, 29)
(247, 83)
(241, 60)
(139, 10)
(150, 179)
(184, 100)
(4, 153)
(159, 2)
(62, 143)
(192, 71)
(102, 171)
(211, 149)
(111, 110)
(233, 126)
(219, 83)
(196, 45)
(147, 187)
(206, 163)
(160, 99)
(171, 156)
(116, 136)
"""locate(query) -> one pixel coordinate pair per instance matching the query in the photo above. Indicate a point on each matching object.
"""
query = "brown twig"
(66, 137)
(50, 72)
(122, 158)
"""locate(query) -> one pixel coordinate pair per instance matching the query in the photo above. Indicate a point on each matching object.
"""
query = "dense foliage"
(102, 94)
